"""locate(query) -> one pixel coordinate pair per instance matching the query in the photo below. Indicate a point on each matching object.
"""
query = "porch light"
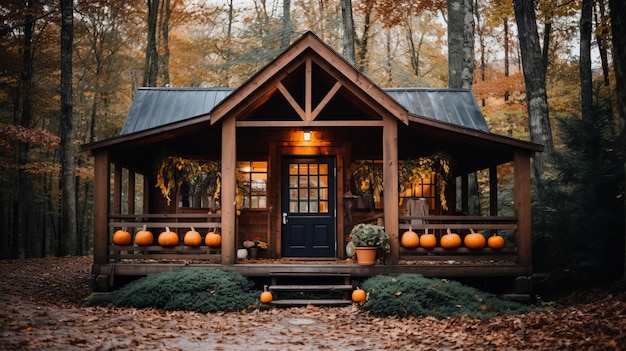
(306, 135)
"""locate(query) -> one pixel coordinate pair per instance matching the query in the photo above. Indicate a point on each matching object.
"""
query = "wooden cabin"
(285, 144)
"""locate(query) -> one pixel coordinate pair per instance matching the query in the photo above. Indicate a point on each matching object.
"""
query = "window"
(252, 184)
(424, 188)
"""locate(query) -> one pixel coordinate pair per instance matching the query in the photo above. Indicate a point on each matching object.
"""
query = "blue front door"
(308, 207)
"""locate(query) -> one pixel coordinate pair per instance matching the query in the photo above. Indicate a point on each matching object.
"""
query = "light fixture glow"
(306, 135)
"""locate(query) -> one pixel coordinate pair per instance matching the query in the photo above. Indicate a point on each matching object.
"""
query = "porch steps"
(317, 289)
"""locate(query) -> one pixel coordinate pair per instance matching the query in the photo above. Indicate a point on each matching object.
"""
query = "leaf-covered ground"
(42, 307)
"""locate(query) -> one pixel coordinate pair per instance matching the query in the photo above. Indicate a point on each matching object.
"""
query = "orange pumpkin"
(213, 239)
(410, 239)
(450, 240)
(122, 237)
(474, 241)
(358, 295)
(168, 238)
(428, 241)
(192, 238)
(495, 242)
(266, 297)
(144, 237)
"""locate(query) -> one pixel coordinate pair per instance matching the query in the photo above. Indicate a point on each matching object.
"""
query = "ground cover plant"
(414, 295)
(191, 289)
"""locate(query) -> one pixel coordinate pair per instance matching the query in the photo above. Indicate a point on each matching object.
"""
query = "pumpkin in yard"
(358, 295)
(213, 239)
(410, 239)
(168, 238)
(450, 240)
(474, 241)
(192, 238)
(122, 237)
(144, 237)
(266, 297)
(428, 241)
(495, 242)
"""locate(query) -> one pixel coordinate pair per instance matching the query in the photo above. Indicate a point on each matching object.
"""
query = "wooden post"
(131, 191)
(229, 183)
(493, 190)
(390, 186)
(521, 198)
(101, 207)
(117, 190)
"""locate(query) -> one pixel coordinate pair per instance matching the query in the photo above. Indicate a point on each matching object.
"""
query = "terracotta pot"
(366, 256)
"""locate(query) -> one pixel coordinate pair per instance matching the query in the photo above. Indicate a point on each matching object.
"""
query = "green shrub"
(414, 295)
(194, 289)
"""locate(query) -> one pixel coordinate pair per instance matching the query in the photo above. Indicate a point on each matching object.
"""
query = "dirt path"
(42, 308)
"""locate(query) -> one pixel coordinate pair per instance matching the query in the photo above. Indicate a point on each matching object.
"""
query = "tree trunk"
(506, 54)
(348, 31)
(68, 174)
(151, 65)
(535, 81)
(586, 82)
(285, 37)
(362, 42)
(618, 27)
(601, 39)
(165, 41)
(467, 76)
(455, 43)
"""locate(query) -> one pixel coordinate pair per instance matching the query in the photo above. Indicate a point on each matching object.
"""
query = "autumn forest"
(546, 71)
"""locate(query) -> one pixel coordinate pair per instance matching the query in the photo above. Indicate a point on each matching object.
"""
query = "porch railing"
(156, 223)
(506, 226)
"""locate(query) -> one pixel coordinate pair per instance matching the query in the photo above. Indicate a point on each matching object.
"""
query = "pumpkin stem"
(124, 229)
(471, 230)
(193, 230)
(167, 229)
(448, 231)
(425, 230)
(410, 228)
(145, 227)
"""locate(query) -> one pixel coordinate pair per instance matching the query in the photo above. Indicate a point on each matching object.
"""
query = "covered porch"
(286, 143)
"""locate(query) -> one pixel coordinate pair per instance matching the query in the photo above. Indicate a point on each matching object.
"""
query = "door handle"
(284, 218)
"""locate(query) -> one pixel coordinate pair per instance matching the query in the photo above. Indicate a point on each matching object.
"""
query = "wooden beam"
(390, 186)
(308, 89)
(117, 189)
(300, 124)
(131, 191)
(521, 199)
(101, 206)
(291, 101)
(493, 190)
(229, 183)
(333, 91)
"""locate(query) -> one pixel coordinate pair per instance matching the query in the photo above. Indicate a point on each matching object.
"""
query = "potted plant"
(368, 239)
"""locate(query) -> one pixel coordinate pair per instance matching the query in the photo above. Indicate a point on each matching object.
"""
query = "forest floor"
(43, 307)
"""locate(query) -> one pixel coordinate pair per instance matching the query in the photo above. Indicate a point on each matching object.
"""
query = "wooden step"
(309, 287)
(315, 302)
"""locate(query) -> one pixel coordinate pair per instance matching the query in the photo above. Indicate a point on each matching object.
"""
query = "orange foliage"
(33, 137)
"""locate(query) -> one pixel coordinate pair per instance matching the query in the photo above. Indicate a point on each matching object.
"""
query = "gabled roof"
(154, 107)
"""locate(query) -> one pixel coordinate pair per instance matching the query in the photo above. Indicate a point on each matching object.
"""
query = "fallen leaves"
(35, 314)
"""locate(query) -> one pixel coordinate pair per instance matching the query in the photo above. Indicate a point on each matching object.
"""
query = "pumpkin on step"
(450, 240)
(168, 238)
(144, 237)
(266, 297)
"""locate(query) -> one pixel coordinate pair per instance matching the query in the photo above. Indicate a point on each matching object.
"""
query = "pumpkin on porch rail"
(495, 242)
(213, 239)
(144, 237)
(168, 238)
(428, 241)
(122, 237)
(474, 241)
(192, 238)
(410, 239)
(450, 240)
